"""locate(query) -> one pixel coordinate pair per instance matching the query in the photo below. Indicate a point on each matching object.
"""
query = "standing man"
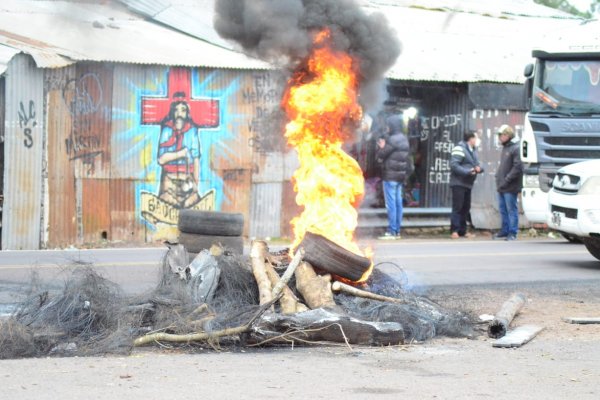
(509, 182)
(393, 154)
(464, 167)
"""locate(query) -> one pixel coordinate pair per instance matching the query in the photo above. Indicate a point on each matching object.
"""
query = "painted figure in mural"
(509, 177)
(393, 154)
(464, 167)
(179, 155)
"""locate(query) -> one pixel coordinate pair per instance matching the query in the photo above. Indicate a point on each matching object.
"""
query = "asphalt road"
(560, 363)
(420, 262)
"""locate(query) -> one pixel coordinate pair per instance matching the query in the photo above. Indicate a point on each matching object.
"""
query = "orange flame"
(321, 104)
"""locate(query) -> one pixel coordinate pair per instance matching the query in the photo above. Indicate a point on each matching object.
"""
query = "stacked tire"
(199, 230)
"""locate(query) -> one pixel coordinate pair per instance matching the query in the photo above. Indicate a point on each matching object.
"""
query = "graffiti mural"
(171, 138)
(180, 118)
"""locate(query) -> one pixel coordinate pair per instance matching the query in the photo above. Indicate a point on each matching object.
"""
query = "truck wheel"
(211, 223)
(593, 246)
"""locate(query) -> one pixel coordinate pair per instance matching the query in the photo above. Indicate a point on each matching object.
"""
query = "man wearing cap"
(509, 177)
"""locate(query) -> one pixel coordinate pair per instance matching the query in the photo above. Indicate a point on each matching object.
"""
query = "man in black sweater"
(464, 167)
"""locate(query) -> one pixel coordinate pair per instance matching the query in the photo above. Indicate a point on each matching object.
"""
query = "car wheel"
(196, 243)
(211, 223)
(328, 256)
(593, 246)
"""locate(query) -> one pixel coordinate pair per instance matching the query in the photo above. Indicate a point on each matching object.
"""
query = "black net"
(89, 315)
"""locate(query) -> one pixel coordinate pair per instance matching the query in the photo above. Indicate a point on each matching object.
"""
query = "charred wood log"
(504, 317)
(325, 325)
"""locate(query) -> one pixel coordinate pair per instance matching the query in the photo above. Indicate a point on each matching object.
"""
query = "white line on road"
(111, 264)
(504, 254)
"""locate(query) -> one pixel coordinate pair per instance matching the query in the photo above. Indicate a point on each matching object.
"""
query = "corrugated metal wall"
(443, 123)
(108, 124)
(103, 130)
(23, 150)
(484, 209)
(2, 109)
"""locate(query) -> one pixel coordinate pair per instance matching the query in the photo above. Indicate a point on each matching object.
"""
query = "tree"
(567, 7)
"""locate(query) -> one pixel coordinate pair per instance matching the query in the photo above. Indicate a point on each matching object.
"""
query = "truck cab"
(563, 123)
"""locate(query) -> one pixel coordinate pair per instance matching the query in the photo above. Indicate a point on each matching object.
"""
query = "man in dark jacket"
(464, 167)
(509, 182)
(393, 154)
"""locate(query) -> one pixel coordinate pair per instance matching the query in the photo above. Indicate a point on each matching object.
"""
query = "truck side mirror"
(528, 88)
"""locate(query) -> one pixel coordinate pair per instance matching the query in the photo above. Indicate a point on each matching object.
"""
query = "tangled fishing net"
(90, 315)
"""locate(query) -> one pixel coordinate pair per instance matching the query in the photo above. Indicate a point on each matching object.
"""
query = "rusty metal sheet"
(62, 210)
(96, 209)
(265, 215)
(23, 149)
(125, 226)
(88, 97)
(236, 193)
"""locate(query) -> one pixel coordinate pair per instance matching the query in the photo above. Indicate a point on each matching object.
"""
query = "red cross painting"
(204, 112)
(179, 116)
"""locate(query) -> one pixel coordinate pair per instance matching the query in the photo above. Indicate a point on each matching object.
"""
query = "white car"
(574, 203)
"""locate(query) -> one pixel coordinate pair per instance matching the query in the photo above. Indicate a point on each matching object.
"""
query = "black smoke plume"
(280, 32)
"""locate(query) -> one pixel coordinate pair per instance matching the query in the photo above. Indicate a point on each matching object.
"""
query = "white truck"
(574, 203)
(563, 123)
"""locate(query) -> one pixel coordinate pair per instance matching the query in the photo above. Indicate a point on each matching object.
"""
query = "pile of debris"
(222, 299)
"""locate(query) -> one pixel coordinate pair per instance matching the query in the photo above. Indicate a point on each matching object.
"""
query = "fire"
(322, 107)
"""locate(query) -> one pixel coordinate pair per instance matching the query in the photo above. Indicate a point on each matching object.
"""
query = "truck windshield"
(567, 87)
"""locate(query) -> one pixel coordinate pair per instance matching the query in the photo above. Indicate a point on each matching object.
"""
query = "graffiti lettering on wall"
(84, 98)
(27, 121)
(180, 118)
(487, 122)
(264, 95)
(441, 129)
(435, 123)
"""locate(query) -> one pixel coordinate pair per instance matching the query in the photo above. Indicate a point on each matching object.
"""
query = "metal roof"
(442, 40)
(6, 54)
(56, 33)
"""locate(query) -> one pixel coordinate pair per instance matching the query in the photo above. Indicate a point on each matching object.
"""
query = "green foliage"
(567, 7)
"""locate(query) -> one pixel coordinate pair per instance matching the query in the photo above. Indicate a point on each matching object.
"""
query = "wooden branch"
(258, 253)
(289, 302)
(200, 336)
(342, 287)
(504, 317)
(316, 289)
(287, 275)
(582, 320)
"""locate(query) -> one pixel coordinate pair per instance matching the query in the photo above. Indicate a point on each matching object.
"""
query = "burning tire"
(211, 223)
(330, 257)
(194, 243)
